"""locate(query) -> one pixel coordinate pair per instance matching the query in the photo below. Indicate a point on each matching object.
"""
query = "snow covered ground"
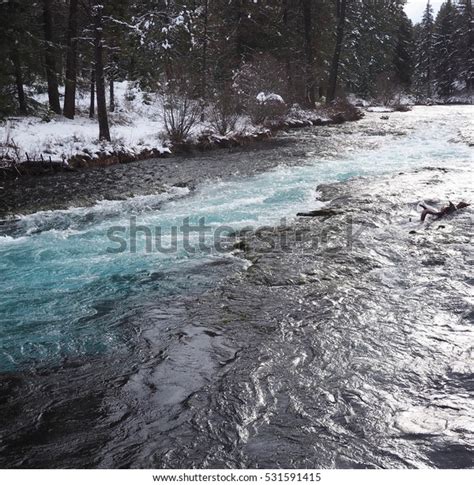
(380, 109)
(136, 125)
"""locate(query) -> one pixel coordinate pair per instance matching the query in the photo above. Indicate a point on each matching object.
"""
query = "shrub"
(180, 114)
(266, 108)
(341, 110)
(255, 83)
(223, 115)
(10, 152)
(386, 89)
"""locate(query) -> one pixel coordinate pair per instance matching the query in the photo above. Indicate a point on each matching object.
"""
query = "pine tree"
(403, 58)
(98, 27)
(445, 49)
(310, 84)
(369, 46)
(203, 49)
(341, 21)
(19, 35)
(50, 56)
(465, 44)
(71, 61)
(424, 68)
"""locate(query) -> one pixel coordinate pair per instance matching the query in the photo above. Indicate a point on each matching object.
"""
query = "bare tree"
(223, 117)
(180, 114)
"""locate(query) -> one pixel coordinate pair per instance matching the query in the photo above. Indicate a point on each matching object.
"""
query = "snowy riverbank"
(289, 148)
(138, 131)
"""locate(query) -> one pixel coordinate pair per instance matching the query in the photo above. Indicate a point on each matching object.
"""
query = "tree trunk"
(50, 60)
(111, 93)
(92, 95)
(310, 92)
(288, 53)
(15, 57)
(104, 132)
(341, 20)
(71, 60)
(204, 60)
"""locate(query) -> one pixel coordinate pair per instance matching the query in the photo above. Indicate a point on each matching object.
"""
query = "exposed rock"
(241, 245)
(402, 107)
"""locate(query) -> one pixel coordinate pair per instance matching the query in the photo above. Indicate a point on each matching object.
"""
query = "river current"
(146, 358)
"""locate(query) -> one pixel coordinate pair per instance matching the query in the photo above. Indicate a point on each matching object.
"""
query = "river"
(297, 358)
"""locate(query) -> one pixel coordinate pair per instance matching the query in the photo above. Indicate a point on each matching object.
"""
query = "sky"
(414, 8)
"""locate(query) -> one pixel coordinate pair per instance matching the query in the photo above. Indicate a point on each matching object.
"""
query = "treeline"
(227, 51)
(444, 50)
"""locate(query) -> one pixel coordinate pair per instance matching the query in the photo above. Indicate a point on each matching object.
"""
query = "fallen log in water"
(318, 213)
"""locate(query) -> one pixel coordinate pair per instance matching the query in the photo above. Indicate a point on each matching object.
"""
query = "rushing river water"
(130, 358)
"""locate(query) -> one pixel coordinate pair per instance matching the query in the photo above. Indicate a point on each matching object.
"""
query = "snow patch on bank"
(380, 109)
(136, 125)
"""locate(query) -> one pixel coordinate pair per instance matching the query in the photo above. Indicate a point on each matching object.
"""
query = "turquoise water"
(63, 294)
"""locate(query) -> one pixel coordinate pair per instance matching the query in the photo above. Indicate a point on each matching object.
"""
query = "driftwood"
(318, 213)
(449, 209)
